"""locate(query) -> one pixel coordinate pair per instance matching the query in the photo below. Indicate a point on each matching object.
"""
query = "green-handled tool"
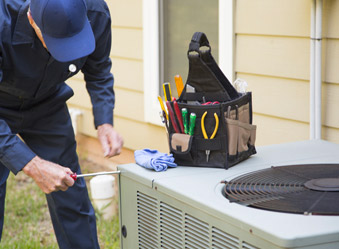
(193, 117)
(184, 114)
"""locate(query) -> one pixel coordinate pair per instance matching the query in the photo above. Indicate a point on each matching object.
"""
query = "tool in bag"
(179, 84)
(167, 91)
(220, 132)
(172, 117)
(204, 130)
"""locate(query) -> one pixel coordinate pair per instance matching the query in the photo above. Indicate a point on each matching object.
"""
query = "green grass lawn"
(27, 222)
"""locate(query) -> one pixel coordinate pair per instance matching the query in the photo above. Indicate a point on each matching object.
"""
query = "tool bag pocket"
(241, 133)
(195, 155)
(181, 146)
(223, 135)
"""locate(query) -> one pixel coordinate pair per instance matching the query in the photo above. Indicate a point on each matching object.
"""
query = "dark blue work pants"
(46, 128)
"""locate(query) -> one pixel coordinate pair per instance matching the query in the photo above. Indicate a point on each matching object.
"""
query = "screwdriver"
(179, 84)
(193, 117)
(185, 119)
(75, 176)
(162, 106)
(167, 91)
(178, 114)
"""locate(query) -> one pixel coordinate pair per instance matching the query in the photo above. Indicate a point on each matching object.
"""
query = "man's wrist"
(27, 169)
(105, 124)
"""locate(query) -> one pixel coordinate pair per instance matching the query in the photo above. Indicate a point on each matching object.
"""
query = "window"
(179, 19)
(168, 28)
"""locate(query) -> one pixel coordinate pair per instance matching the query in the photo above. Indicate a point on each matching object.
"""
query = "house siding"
(127, 68)
(272, 53)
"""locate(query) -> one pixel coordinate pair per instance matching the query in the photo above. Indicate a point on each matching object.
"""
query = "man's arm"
(14, 153)
(50, 177)
(17, 156)
(99, 84)
(110, 140)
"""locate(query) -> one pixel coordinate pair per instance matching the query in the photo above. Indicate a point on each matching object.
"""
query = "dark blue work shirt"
(29, 72)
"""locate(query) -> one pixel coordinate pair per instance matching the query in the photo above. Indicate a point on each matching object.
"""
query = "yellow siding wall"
(273, 55)
(127, 59)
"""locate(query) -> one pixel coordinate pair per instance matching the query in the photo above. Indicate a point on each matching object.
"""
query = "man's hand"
(50, 177)
(110, 140)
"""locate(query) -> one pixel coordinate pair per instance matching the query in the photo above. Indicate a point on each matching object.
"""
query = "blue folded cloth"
(153, 159)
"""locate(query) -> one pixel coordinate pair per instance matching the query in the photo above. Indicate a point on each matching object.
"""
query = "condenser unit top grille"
(305, 189)
(185, 207)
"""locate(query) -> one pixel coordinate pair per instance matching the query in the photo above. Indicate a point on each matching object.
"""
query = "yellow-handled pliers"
(204, 130)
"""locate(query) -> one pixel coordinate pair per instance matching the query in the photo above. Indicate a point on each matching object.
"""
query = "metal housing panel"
(184, 207)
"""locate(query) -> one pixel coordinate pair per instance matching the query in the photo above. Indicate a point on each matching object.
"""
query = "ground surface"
(27, 220)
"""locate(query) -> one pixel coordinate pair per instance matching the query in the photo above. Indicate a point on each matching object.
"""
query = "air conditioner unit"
(184, 207)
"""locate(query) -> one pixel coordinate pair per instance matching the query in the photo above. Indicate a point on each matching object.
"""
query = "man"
(43, 43)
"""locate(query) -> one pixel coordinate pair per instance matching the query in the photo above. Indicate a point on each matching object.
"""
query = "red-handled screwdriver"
(178, 114)
(75, 176)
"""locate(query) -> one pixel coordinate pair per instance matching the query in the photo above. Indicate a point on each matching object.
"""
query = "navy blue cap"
(65, 28)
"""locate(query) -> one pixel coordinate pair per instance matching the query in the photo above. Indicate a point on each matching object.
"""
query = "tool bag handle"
(205, 75)
(198, 40)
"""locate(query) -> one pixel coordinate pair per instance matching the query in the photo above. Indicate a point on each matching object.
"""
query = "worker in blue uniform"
(42, 44)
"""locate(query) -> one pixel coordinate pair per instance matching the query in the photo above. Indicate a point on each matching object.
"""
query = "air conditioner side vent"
(196, 233)
(147, 210)
(221, 239)
(245, 245)
(161, 225)
(171, 228)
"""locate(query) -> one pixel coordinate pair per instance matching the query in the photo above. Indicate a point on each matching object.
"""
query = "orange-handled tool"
(179, 84)
(75, 176)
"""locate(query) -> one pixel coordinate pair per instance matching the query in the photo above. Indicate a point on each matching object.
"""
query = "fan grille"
(288, 189)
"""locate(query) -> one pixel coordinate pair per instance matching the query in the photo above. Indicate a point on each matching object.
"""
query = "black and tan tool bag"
(234, 140)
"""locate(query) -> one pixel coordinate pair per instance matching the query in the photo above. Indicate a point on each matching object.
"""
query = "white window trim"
(151, 41)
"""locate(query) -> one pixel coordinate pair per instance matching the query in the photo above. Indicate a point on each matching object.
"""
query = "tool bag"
(234, 140)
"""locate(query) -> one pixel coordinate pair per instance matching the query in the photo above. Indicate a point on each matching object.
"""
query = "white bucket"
(102, 190)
